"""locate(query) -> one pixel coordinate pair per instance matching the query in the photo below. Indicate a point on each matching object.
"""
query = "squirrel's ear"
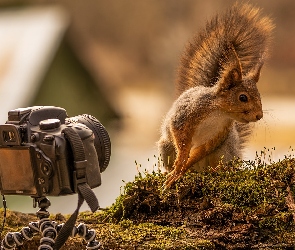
(231, 79)
(255, 73)
(231, 71)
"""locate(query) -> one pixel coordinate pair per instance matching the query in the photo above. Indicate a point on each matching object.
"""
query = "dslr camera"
(37, 156)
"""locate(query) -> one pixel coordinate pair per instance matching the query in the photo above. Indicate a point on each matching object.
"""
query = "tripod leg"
(8, 242)
(88, 235)
(49, 233)
(15, 239)
(49, 230)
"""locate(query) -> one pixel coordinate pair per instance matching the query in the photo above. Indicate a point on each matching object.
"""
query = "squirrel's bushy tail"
(243, 27)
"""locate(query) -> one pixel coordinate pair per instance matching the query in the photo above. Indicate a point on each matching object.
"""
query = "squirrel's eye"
(243, 98)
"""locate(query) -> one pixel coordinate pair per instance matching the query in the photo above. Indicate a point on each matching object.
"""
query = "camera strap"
(83, 189)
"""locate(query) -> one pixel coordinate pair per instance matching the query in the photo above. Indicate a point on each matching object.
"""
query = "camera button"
(34, 137)
(38, 155)
(48, 138)
(49, 124)
(41, 180)
(46, 168)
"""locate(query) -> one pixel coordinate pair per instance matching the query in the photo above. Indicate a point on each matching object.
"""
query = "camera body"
(36, 158)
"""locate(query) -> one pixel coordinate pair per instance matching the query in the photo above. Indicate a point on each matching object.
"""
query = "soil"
(240, 205)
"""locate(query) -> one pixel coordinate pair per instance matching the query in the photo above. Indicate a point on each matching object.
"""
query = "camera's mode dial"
(49, 124)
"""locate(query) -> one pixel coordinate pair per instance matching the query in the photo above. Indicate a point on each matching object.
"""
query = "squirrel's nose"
(259, 116)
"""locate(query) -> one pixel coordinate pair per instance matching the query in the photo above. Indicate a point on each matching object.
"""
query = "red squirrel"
(217, 95)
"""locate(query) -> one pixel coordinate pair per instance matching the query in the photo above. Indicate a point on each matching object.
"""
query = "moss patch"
(240, 205)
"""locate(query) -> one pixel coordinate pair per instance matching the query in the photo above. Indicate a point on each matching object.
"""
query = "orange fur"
(217, 92)
(185, 160)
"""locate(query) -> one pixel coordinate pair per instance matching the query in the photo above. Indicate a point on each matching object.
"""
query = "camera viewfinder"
(9, 136)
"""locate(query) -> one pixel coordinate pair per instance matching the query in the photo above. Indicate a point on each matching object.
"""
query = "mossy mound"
(240, 205)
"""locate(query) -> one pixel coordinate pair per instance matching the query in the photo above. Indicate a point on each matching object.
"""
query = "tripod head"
(43, 204)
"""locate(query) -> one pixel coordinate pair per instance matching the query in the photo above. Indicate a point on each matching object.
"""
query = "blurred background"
(117, 61)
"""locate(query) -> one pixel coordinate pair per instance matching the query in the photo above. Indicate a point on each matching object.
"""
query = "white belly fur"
(214, 124)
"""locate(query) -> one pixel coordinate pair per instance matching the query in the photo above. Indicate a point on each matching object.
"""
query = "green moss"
(240, 205)
(251, 195)
(242, 187)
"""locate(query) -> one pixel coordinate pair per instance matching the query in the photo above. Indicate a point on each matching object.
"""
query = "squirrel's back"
(241, 27)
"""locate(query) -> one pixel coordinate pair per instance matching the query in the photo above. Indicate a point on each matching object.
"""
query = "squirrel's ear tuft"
(254, 74)
(235, 75)
(231, 71)
(231, 79)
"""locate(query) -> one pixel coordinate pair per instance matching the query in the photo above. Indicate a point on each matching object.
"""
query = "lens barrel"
(102, 142)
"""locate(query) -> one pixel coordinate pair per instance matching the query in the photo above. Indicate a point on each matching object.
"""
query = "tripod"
(49, 230)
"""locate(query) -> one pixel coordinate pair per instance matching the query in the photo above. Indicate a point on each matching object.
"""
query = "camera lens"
(102, 141)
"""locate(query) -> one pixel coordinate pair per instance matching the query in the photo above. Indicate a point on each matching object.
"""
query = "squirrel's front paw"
(171, 178)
